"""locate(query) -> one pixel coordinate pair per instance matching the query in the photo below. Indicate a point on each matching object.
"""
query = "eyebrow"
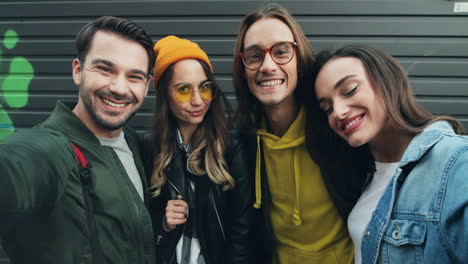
(342, 80)
(182, 83)
(136, 71)
(251, 47)
(102, 61)
(203, 82)
(111, 64)
(338, 84)
(186, 83)
(258, 47)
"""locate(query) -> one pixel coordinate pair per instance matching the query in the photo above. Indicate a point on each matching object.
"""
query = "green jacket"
(42, 213)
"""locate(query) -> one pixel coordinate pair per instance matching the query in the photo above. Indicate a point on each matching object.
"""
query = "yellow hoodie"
(307, 226)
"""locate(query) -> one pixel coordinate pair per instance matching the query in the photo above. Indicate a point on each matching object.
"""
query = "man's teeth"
(107, 102)
(271, 83)
(352, 122)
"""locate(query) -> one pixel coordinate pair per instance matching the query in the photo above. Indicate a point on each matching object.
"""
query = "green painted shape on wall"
(1, 64)
(11, 38)
(15, 86)
(6, 125)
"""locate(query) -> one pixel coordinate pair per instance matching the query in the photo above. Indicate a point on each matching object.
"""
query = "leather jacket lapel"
(177, 175)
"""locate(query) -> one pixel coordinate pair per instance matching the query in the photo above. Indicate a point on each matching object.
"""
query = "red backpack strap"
(88, 190)
(80, 158)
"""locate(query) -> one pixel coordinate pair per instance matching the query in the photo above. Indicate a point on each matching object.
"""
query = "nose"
(268, 64)
(340, 110)
(196, 98)
(119, 85)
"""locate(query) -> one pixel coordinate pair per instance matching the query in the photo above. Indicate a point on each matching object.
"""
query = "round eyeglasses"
(184, 92)
(281, 53)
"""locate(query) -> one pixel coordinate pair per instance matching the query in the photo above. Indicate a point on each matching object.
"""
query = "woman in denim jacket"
(414, 205)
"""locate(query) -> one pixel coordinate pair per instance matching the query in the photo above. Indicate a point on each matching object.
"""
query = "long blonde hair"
(209, 141)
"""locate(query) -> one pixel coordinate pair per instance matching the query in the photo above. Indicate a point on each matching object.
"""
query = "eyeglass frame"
(265, 50)
(215, 92)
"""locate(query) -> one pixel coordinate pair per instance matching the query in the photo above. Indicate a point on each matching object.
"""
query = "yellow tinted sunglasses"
(184, 92)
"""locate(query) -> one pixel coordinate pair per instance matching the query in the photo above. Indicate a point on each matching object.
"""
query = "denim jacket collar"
(418, 146)
(423, 141)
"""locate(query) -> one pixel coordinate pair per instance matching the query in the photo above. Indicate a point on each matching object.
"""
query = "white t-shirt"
(362, 211)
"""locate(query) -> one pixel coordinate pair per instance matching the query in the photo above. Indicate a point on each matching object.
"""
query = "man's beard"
(101, 122)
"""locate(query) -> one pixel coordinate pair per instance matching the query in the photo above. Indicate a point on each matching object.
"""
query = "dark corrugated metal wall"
(426, 36)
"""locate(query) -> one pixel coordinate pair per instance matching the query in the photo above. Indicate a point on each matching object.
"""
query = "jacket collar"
(177, 172)
(424, 141)
(65, 121)
(418, 146)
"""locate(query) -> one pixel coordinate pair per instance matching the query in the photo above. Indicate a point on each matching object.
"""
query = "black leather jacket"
(223, 218)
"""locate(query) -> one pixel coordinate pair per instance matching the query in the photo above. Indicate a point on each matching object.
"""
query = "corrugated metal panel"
(426, 36)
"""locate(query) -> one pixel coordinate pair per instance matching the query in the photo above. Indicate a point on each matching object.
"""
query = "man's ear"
(76, 65)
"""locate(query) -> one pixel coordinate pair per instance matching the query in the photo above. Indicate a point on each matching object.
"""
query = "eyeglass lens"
(185, 92)
(281, 53)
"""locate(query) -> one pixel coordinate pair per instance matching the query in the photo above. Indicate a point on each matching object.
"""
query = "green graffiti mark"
(15, 85)
(10, 39)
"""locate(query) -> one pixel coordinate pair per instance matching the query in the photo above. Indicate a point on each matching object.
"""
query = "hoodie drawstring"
(258, 187)
(297, 208)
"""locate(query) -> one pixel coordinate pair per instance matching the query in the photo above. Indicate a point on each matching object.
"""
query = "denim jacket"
(423, 217)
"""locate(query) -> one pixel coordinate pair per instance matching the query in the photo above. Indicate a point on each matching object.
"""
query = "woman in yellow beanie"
(201, 195)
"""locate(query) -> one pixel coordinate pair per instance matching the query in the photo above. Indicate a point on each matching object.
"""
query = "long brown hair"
(208, 142)
(391, 84)
(250, 110)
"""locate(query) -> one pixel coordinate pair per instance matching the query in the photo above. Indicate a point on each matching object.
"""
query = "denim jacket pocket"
(402, 242)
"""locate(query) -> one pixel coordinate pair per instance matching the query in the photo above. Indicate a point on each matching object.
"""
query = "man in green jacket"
(50, 212)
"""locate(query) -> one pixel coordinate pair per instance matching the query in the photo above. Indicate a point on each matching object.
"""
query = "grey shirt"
(120, 146)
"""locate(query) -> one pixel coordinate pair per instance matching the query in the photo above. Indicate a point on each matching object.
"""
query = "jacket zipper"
(174, 186)
(132, 201)
(217, 214)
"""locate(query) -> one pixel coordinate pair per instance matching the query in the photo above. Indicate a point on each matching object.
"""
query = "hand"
(176, 213)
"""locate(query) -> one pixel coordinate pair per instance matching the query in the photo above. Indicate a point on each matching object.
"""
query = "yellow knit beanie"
(172, 49)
